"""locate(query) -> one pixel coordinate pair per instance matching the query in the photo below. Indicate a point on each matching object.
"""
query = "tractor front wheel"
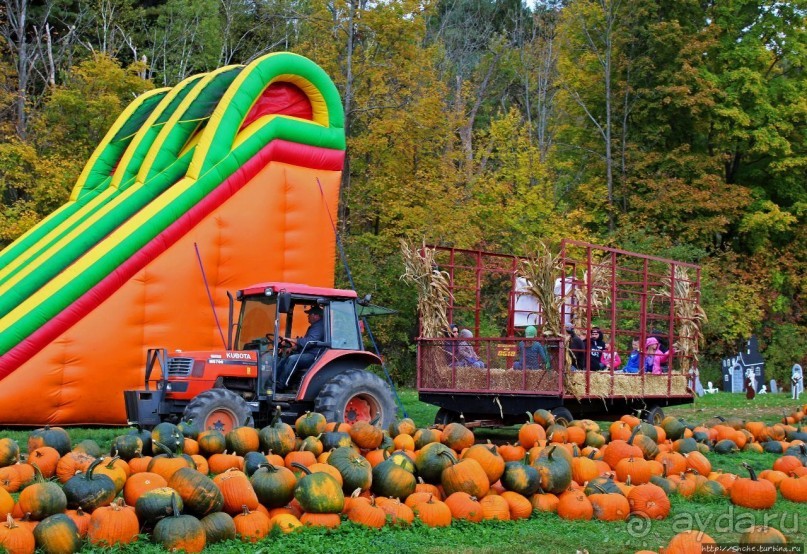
(219, 409)
(356, 395)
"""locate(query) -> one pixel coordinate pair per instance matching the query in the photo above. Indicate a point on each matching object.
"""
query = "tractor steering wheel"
(270, 337)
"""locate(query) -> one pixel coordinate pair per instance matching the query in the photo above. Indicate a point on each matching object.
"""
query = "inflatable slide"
(222, 181)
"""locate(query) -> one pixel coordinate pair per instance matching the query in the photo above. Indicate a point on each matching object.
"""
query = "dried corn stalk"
(540, 271)
(599, 283)
(421, 270)
(688, 314)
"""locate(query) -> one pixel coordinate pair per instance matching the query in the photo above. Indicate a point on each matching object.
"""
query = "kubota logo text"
(238, 356)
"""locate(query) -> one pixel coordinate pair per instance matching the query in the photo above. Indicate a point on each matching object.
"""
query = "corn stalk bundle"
(421, 270)
(688, 314)
(598, 281)
(540, 271)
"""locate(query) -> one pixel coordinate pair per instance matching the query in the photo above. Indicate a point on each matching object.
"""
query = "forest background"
(671, 127)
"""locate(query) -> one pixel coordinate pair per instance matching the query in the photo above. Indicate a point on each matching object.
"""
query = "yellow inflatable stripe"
(186, 103)
(96, 253)
(120, 171)
(123, 118)
(82, 212)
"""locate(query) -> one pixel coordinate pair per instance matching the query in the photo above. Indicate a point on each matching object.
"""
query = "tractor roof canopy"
(294, 288)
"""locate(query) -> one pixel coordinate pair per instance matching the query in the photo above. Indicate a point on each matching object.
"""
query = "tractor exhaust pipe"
(230, 322)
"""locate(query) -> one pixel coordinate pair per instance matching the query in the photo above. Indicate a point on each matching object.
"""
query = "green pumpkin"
(57, 534)
(273, 485)
(127, 447)
(156, 504)
(392, 480)
(55, 437)
(218, 526)
(169, 435)
(188, 429)
(520, 478)
(602, 485)
(357, 473)
(387, 443)
(402, 459)
(554, 470)
(710, 489)
(211, 442)
(772, 447)
(89, 447)
(398, 426)
(726, 446)
(799, 451)
(426, 436)
(699, 436)
(334, 439)
(594, 439)
(310, 424)
(648, 430)
(199, 493)
(89, 491)
(145, 436)
(318, 493)
(9, 452)
(252, 461)
(277, 436)
(179, 532)
(673, 428)
(685, 446)
(432, 460)
(50, 498)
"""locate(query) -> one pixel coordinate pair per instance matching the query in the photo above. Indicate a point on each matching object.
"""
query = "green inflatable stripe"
(111, 152)
(141, 143)
(128, 203)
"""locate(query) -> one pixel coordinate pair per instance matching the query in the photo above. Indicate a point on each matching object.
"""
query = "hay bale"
(628, 385)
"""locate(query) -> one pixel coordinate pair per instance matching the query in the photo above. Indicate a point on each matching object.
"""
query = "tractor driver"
(302, 357)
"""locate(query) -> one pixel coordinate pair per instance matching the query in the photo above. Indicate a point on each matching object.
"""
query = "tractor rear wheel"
(219, 409)
(356, 395)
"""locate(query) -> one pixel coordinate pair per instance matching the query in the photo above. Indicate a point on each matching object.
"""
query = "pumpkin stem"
(633, 434)
(244, 510)
(276, 417)
(448, 454)
(268, 466)
(530, 419)
(38, 478)
(96, 463)
(751, 471)
(10, 521)
(164, 448)
(175, 505)
(112, 461)
(301, 467)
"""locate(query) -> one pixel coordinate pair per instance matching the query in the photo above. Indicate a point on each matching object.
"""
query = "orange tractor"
(224, 389)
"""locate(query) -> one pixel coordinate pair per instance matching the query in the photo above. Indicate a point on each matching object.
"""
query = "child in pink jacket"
(609, 358)
(653, 357)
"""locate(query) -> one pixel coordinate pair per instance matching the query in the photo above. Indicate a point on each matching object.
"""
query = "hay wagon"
(628, 296)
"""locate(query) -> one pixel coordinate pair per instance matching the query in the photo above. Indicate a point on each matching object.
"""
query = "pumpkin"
(319, 493)
(57, 534)
(199, 493)
(785, 463)
(218, 527)
(303, 458)
(81, 519)
(367, 435)
(140, 483)
(127, 446)
(466, 475)
(221, 462)
(277, 437)
(251, 526)
(397, 512)
(489, 458)
(433, 513)
(42, 498)
(762, 534)
(794, 488)
(423, 487)
(688, 542)
(404, 460)
(114, 468)
(404, 442)
(9, 452)
(464, 506)
(334, 439)
(649, 501)
(392, 480)
(405, 426)
(355, 469)
(180, 532)
(753, 493)
(584, 469)
(16, 539)
(287, 523)
(520, 507)
(45, 458)
(113, 524)
(457, 437)
(604, 484)
(512, 452)
(139, 464)
(190, 446)
(145, 437)
(635, 469)
(237, 492)
(313, 444)
(554, 470)
(55, 437)
(273, 485)
(698, 462)
(154, 505)
(426, 436)
(71, 463)
(575, 505)
(544, 502)
(188, 429)
(242, 440)
(166, 464)
(327, 521)
(610, 507)
(521, 478)
(90, 490)
(6, 503)
(211, 442)
(310, 424)
(367, 513)
(168, 435)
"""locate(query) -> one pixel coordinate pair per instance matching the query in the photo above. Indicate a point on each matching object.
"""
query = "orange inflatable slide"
(223, 181)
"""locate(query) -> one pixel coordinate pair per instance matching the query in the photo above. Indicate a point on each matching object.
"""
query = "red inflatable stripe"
(278, 150)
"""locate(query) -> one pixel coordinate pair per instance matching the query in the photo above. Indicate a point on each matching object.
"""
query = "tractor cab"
(271, 360)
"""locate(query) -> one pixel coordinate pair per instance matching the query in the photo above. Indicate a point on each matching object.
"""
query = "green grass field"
(543, 532)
